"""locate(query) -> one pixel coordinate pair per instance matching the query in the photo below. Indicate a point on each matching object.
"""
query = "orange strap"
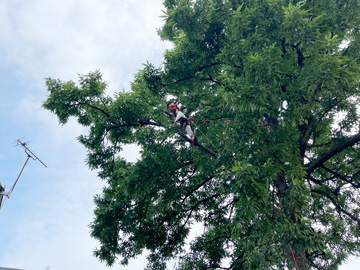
(294, 258)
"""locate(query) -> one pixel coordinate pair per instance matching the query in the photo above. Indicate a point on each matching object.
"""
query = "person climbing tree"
(181, 119)
(270, 122)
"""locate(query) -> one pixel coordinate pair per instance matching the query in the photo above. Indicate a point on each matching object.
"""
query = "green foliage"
(258, 192)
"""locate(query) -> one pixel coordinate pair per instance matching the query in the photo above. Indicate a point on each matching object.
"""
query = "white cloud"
(62, 38)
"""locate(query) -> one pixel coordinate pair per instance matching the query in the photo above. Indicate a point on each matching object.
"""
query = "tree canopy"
(270, 196)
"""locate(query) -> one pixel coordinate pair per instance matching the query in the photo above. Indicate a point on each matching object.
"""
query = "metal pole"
(9, 194)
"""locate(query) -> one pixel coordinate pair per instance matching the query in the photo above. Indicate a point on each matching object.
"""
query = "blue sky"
(45, 222)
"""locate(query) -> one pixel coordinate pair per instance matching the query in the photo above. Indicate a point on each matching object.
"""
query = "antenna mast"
(29, 152)
(31, 155)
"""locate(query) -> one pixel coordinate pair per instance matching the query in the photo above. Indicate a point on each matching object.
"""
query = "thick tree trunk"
(296, 256)
(298, 259)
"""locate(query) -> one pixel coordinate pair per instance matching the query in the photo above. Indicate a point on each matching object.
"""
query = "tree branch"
(337, 206)
(189, 76)
(300, 59)
(341, 177)
(306, 131)
(149, 122)
(212, 153)
(212, 80)
(313, 165)
(197, 187)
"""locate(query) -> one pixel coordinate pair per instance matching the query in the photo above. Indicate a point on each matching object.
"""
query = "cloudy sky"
(45, 222)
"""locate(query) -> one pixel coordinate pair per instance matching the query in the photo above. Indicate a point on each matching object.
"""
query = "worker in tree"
(180, 119)
(270, 122)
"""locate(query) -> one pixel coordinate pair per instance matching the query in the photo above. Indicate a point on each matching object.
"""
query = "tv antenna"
(30, 154)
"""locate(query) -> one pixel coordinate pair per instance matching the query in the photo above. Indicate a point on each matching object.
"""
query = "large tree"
(285, 194)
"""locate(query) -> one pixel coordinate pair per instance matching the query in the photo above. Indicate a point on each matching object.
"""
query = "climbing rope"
(193, 165)
(297, 267)
(206, 120)
(205, 136)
